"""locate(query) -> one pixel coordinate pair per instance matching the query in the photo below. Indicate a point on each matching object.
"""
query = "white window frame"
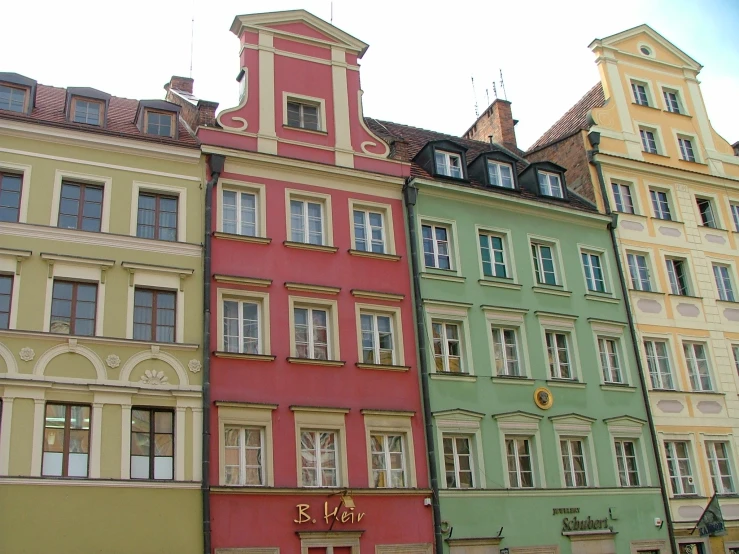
(650, 272)
(258, 190)
(623, 458)
(620, 186)
(710, 443)
(467, 424)
(609, 368)
(435, 243)
(332, 322)
(320, 103)
(734, 209)
(380, 422)
(448, 156)
(553, 244)
(489, 245)
(455, 455)
(657, 211)
(679, 96)
(691, 477)
(670, 357)
(646, 140)
(314, 419)
(262, 301)
(579, 428)
(671, 270)
(243, 448)
(455, 314)
(25, 172)
(517, 457)
(600, 254)
(649, 100)
(395, 315)
(548, 190)
(616, 332)
(495, 166)
(521, 425)
(512, 319)
(454, 261)
(723, 293)
(306, 197)
(508, 253)
(571, 458)
(565, 325)
(256, 416)
(627, 428)
(445, 354)
(386, 211)
(691, 363)
(687, 147)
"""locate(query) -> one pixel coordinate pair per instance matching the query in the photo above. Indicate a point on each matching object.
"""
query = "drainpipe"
(594, 138)
(410, 194)
(215, 162)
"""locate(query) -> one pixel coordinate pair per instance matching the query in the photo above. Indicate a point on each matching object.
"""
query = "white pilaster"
(37, 445)
(96, 446)
(126, 441)
(266, 135)
(179, 441)
(6, 424)
(197, 444)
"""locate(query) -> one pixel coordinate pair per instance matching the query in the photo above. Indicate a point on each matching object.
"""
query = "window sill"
(630, 214)
(451, 276)
(566, 383)
(314, 247)
(448, 376)
(679, 113)
(672, 295)
(653, 292)
(718, 300)
(375, 255)
(708, 228)
(313, 131)
(692, 162)
(672, 391)
(242, 356)
(646, 106)
(311, 361)
(512, 379)
(658, 220)
(707, 392)
(499, 283)
(242, 238)
(602, 298)
(620, 387)
(654, 154)
(383, 367)
(555, 291)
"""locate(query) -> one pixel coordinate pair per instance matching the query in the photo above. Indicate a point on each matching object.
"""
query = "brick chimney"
(195, 113)
(496, 121)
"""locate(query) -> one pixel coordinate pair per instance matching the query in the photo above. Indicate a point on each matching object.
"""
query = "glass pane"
(139, 467)
(163, 467)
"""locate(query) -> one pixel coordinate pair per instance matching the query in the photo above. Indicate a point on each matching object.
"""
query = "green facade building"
(541, 441)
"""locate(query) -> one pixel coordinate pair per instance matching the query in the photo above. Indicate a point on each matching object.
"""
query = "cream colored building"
(673, 184)
(100, 323)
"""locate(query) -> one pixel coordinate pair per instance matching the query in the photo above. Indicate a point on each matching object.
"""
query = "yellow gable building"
(641, 146)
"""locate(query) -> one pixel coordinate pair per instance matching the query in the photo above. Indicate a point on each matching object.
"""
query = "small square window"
(519, 457)
(648, 141)
(447, 345)
(639, 90)
(608, 350)
(544, 263)
(639, 272)
(10, 196)
(493, 254)
(724, 283)
(458, 462)
(686, 149)
(677, 275)
(658, 363)
(303, 115)
(436, 250)
(448, 164)
(558, 351)
(152, 443)
(157, 216)
(244, 456)
(80, 206)
(622, 198)
(594, 276)
(13, 99)
(87, 111)
(660, 204)
(500, 174)
(550, 184)
(159, 123)
(672, 101)
(73, 308)
(66, 449)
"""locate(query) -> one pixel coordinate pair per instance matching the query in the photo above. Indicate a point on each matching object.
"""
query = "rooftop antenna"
(192, 36)
(332, 13)
(495, 90)
(477, 112)
(502, 85)
(487, 96)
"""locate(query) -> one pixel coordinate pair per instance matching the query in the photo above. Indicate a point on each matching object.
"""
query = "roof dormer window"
(550, 184)
(87, 111)
(12, 98)
(500, 174)
(158, 123)
(448, 164)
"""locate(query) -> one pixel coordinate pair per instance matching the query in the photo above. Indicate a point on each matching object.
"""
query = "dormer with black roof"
(495, 169)
(86, 105)
(17, 93)
(443, 158)
(545, 179)
(158, 118)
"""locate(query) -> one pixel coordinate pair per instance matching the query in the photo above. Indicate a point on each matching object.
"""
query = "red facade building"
(316, 425)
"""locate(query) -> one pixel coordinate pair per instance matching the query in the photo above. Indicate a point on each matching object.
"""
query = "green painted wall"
(99, 520)
(526, 515)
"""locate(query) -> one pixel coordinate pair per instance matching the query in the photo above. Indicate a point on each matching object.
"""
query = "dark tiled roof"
(576, 119)
(407, 141)
(49, 110)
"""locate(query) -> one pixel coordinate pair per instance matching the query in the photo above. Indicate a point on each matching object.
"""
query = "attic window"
(12, 98)
(550, 185)
(303, 115)
(448, 164)
(87, 111)
(646, 50)
(500, 174)
(158, 123)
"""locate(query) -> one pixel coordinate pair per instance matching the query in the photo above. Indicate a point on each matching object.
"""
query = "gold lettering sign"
(330, 516)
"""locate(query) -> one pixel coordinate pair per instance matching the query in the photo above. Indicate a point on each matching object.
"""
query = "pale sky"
(419, 65)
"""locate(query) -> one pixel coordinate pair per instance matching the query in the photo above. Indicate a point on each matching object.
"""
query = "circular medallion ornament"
(543, 398)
